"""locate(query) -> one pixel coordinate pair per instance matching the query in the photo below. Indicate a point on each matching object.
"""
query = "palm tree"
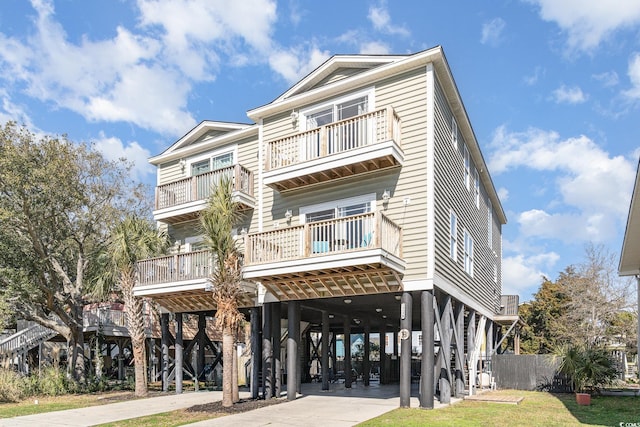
(132, 240)
(217, 220)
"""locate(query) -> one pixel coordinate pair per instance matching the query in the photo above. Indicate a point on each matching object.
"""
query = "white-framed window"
(454, 133)
(344, 234)
(347, 135)
(476, 187)
(212, 161)
(337, 109)
(468, 253)
(203, 168)
(453, 236)
(467, 168)
(490, 224)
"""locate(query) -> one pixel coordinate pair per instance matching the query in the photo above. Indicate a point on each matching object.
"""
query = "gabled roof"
(333, 65)
(630, 256)
(206, 133)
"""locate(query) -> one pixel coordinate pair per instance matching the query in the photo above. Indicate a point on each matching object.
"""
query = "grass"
(165, 419)
(60, 403)
(537, 409)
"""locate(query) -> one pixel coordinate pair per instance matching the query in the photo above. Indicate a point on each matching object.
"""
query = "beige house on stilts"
(369, 210)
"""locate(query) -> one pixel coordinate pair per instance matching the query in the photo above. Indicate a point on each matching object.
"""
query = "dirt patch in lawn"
(242, 406)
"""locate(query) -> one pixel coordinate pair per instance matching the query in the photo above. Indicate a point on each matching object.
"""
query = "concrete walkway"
(115, 411)
(336, 407)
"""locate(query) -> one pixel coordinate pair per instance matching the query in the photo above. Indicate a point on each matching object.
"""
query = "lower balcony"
(182, 200)
(180, 282)
(355, 255)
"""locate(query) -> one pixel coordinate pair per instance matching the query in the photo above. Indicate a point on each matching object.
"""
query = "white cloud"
(114, 149)
(593, 188)
(533, 78)
(492, 32)
(568, 227)
(296, 62)
(608, 78)
(381, 20)
(177, 44)
(503, 194)
(9, 111)
(522, 275)
(634, 76)
(135, 97)
(569, 95)
(589, 22)
(295, 14)
(374, 48)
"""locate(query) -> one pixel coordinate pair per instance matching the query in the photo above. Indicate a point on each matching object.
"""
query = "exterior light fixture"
(288, 214)
(182, 163)
(398, 297)
(378, 310)
(347, 301)
(331, 316)
(294, 117)
(208, 287)
(386, 195)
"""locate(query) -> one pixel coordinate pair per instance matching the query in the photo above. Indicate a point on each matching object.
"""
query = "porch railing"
(102, 316)
(109, 317)
(200, 187)
(338, 137)
(348, 234)
(175, 268)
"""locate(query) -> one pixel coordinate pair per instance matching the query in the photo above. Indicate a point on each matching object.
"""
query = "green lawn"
(537, 409)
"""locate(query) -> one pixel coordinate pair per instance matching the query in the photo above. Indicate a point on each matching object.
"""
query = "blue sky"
(552, 88)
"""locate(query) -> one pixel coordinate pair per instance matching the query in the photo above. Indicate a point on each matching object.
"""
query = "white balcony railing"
(338, 137)
(340, 235)
(200, 187)
(175, 268)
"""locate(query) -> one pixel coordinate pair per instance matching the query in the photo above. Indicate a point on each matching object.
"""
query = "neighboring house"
(367, 201)
(630, 254)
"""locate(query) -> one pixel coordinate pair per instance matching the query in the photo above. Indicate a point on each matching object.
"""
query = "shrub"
(52, 382)
(588, 367)
(12, 386)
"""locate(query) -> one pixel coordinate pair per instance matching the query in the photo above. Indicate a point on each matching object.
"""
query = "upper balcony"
(360, 144)
(355, 255)
(181, 200)
(180, 282)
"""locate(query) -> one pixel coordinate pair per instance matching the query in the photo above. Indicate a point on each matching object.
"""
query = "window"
(347, 135)
(490, 224)
(204, 169)
(212, 163)
(477, 187)
(453, 236)
(329, 236)
(454, 133)
(468, 253)
(467, 169)
(338, 111)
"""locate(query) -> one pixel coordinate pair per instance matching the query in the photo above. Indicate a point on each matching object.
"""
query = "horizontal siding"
(452, 194)
(406, 93)
(339, 75)
(169, 172)
(247, 157)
